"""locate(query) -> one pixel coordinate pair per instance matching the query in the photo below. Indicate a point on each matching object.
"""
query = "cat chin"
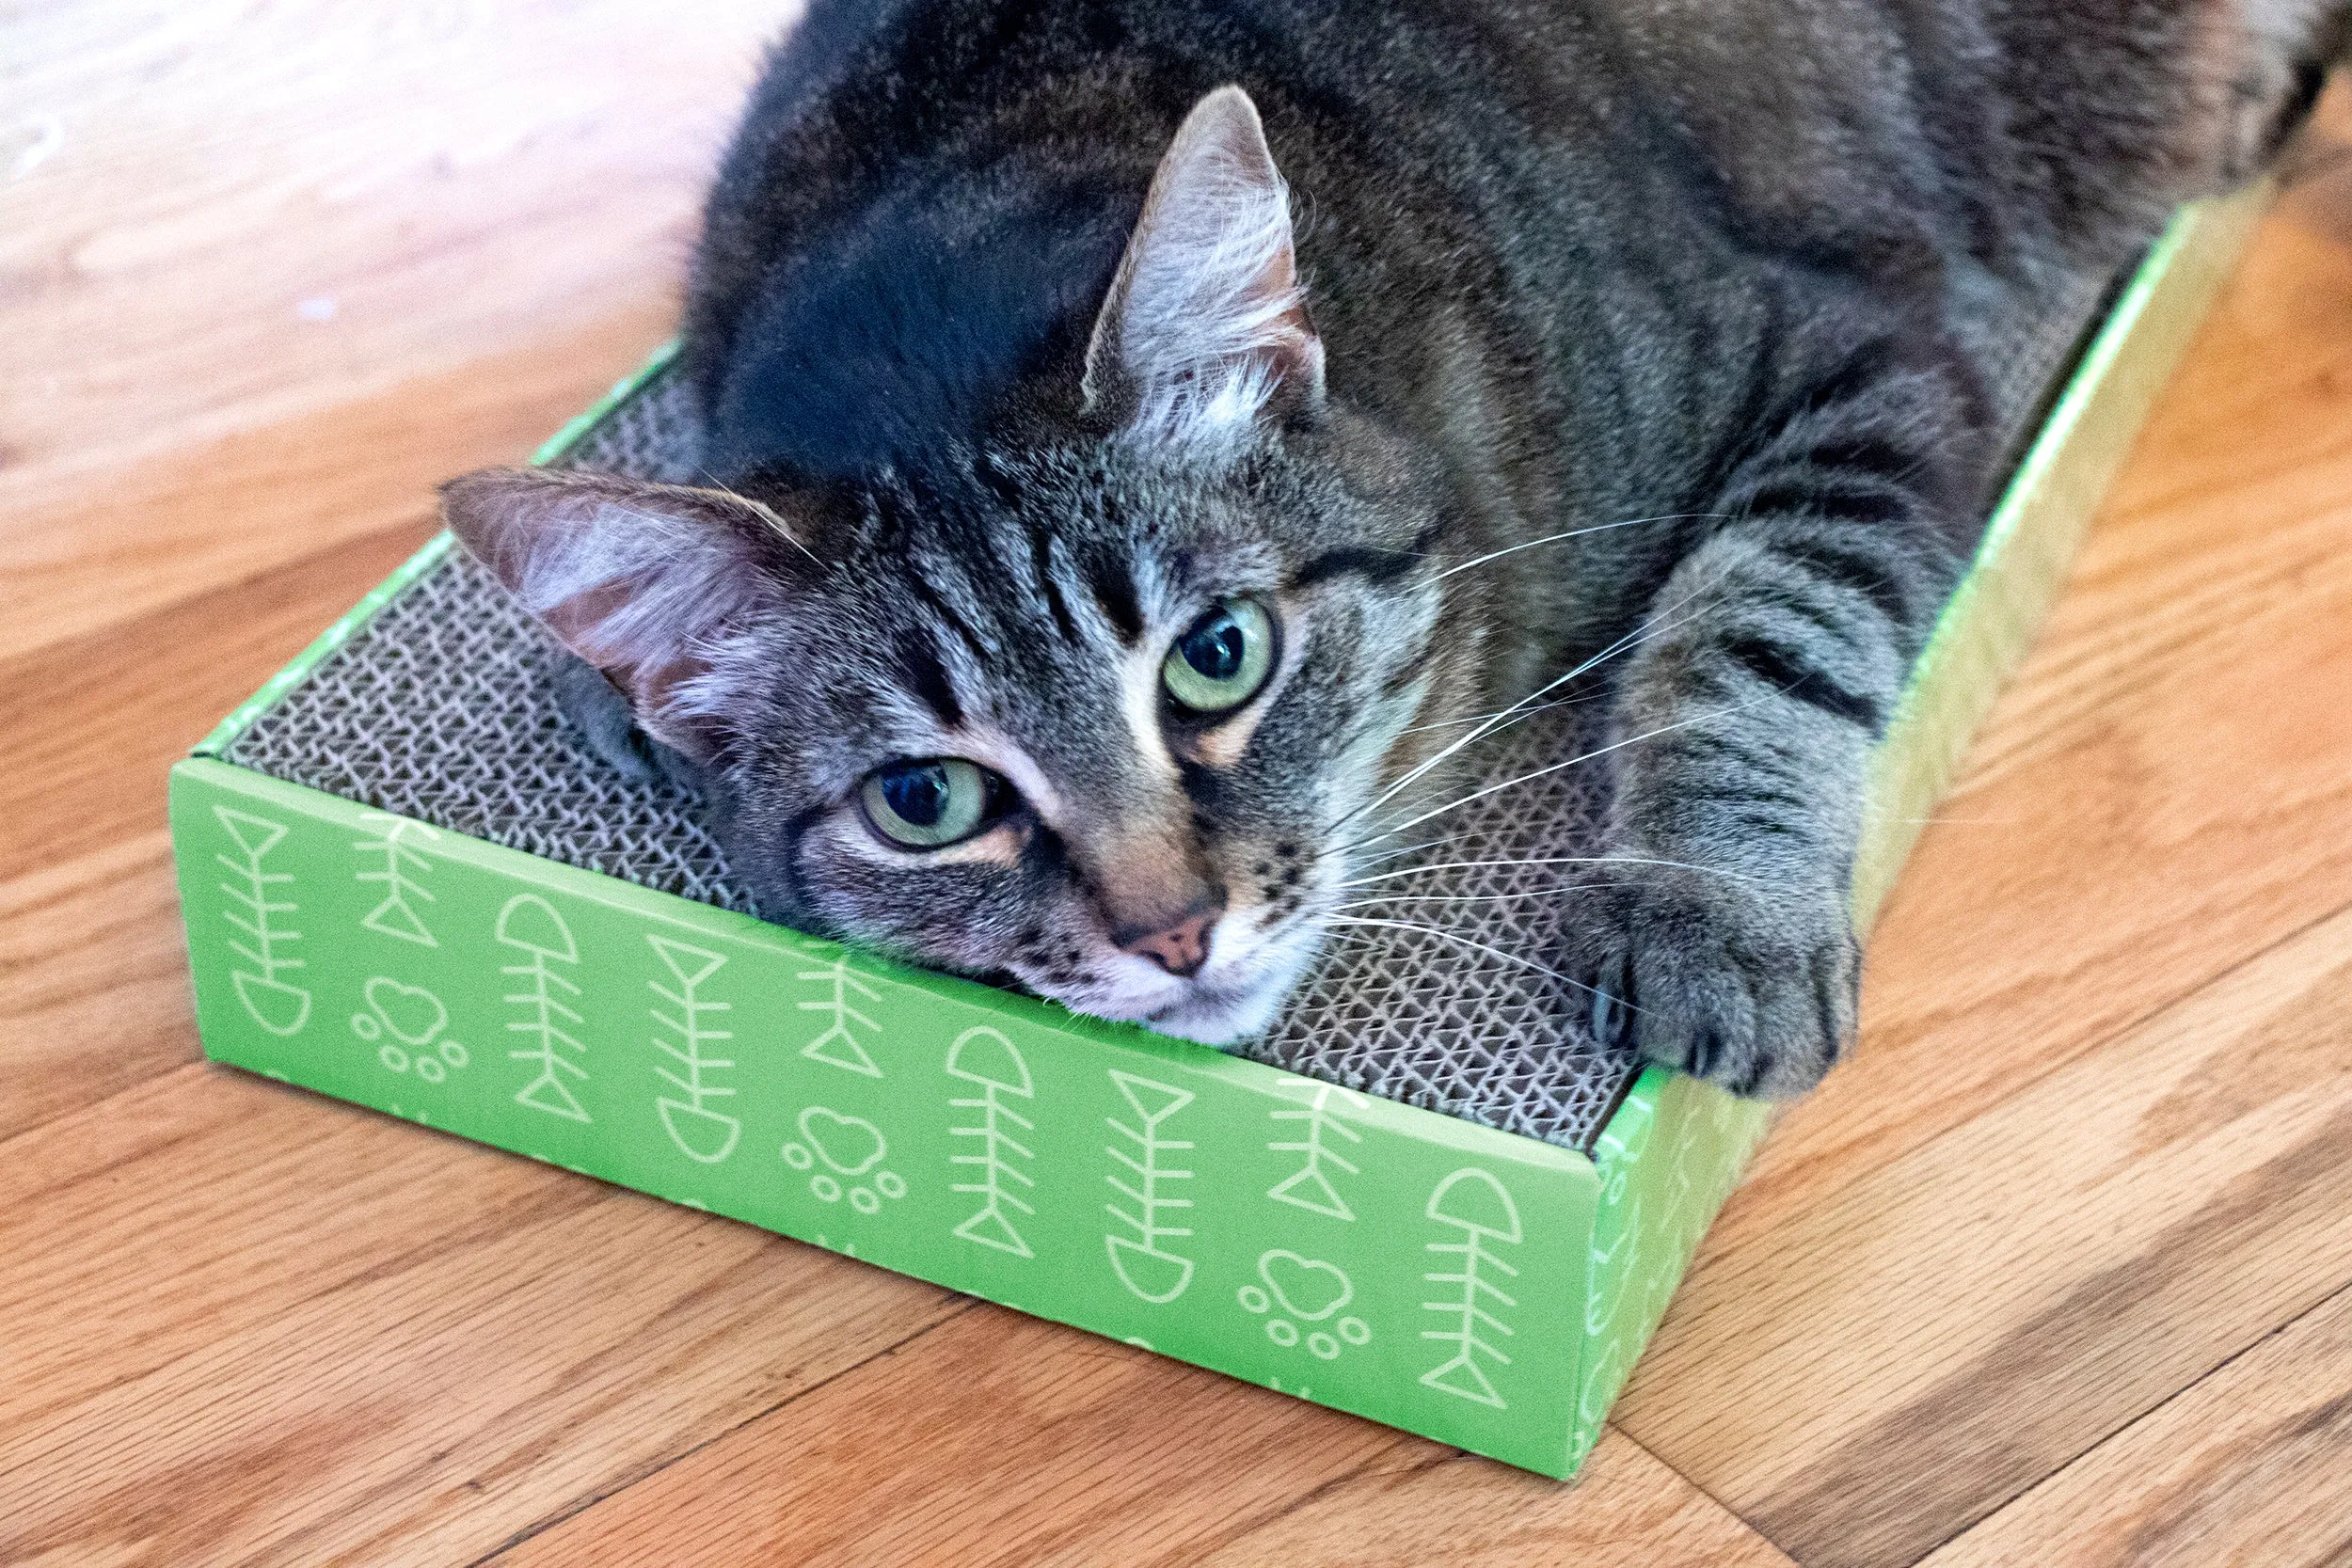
(1237, 997)
(1216, 1019)
(1206, 1015)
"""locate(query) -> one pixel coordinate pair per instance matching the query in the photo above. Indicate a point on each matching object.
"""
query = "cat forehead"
(1099, 487)
(1041, 659)
(1095, 562)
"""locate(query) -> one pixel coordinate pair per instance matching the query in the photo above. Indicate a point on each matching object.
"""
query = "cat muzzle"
(1181, 948)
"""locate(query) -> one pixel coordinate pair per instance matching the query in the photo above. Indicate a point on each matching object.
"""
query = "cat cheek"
(1000, 845)
(1223, 746)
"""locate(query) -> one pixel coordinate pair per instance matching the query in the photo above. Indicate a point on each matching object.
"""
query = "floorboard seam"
(1676, 1471)
(2099, 1042)
(1313, 1494)
(2120, 1428)
(647, 1472)
(135, 1086)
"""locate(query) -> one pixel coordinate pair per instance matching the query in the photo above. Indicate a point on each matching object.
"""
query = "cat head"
(1102, 707)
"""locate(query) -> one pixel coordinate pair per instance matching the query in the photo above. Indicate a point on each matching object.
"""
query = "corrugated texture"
(440, 708)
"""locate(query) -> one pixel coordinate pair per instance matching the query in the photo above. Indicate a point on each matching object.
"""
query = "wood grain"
(2248, 1469)
(104, 712)
(459, 180)
(1624, 1510)
(267, 1328)
(1910, 1352)
(94, 980)
(1020, 1443)
(268, 273)
(1040, 1452)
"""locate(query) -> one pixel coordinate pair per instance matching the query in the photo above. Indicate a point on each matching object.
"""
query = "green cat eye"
(932, 804)
(1222, 658)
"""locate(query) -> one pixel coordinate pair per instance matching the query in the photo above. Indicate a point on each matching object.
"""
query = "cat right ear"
(1205, 330)
(647, 582)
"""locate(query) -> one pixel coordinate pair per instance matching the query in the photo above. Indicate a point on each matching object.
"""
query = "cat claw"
(1754, 994)
(1611, 1009)
(1705, 1052)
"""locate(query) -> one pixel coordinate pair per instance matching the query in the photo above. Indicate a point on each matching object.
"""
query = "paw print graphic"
(1305, 1291)
(848, 1147)
(404, 1023)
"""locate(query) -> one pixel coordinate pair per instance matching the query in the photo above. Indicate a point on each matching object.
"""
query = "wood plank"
(264, 213)
(102, 717)
(248, 1324)
(224, 562)
(1022, 1443)
(94, 980)
(2252, 1468)
(2163, 793)
(268, 1195)
(1625, 1509)
(1912, 1352)
(1010, 1441)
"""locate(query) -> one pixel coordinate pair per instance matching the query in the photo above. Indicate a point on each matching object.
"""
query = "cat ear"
(1206, 328)
(645, 581)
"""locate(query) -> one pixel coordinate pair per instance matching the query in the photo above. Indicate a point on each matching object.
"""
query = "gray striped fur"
(1485, 342)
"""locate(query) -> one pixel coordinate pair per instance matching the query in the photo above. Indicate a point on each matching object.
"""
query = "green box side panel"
(1382, 1260)
(1674, 1150)
(1667, 1160)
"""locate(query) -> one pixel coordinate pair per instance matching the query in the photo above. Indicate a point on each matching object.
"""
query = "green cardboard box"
(1485, 1288)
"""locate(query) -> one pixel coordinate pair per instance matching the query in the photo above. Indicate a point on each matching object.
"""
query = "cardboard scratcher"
(1428, 1198)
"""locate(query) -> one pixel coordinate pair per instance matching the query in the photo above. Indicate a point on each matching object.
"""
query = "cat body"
(1146, 446)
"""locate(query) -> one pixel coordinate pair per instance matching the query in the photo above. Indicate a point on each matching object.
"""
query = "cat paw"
(1752, 992)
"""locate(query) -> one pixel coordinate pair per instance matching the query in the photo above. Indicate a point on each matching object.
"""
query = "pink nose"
(1182, 949)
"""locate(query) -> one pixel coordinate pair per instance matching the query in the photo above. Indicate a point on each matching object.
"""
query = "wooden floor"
(2055, 1272)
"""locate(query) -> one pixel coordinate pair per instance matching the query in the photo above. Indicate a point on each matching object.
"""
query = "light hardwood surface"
(2059, 1270)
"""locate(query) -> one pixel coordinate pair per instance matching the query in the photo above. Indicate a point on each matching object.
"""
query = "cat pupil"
(917, 794)
(1214, 646)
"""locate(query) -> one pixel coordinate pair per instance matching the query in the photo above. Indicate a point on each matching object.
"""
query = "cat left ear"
(647, 582)
(1205, 329)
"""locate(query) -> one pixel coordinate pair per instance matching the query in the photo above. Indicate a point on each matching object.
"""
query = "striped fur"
(1026, 331)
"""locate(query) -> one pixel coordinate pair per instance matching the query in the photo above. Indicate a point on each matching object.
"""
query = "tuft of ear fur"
(647, 582)
(1206, 328)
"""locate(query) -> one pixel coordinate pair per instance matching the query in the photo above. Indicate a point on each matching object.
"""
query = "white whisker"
(768, 513)
(1385, 855)
(1481, 717)
(1571, 761)
(1649, 628)
(1491, 951)
(1547, 860)
(1576, 533)
(1389, 900)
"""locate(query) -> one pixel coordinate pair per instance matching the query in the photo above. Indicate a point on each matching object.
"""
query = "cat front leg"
(1717, 936)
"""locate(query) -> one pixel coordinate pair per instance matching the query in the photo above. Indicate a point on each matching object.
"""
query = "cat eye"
(1222, 658)
(932, 804)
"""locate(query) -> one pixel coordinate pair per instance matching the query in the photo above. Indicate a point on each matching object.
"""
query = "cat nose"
(1182, 947)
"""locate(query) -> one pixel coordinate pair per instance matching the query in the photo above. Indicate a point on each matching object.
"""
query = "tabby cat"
(1143, 439)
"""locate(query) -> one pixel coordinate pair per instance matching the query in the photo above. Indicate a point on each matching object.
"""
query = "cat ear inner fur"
(647, 582)
(1206, 328)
